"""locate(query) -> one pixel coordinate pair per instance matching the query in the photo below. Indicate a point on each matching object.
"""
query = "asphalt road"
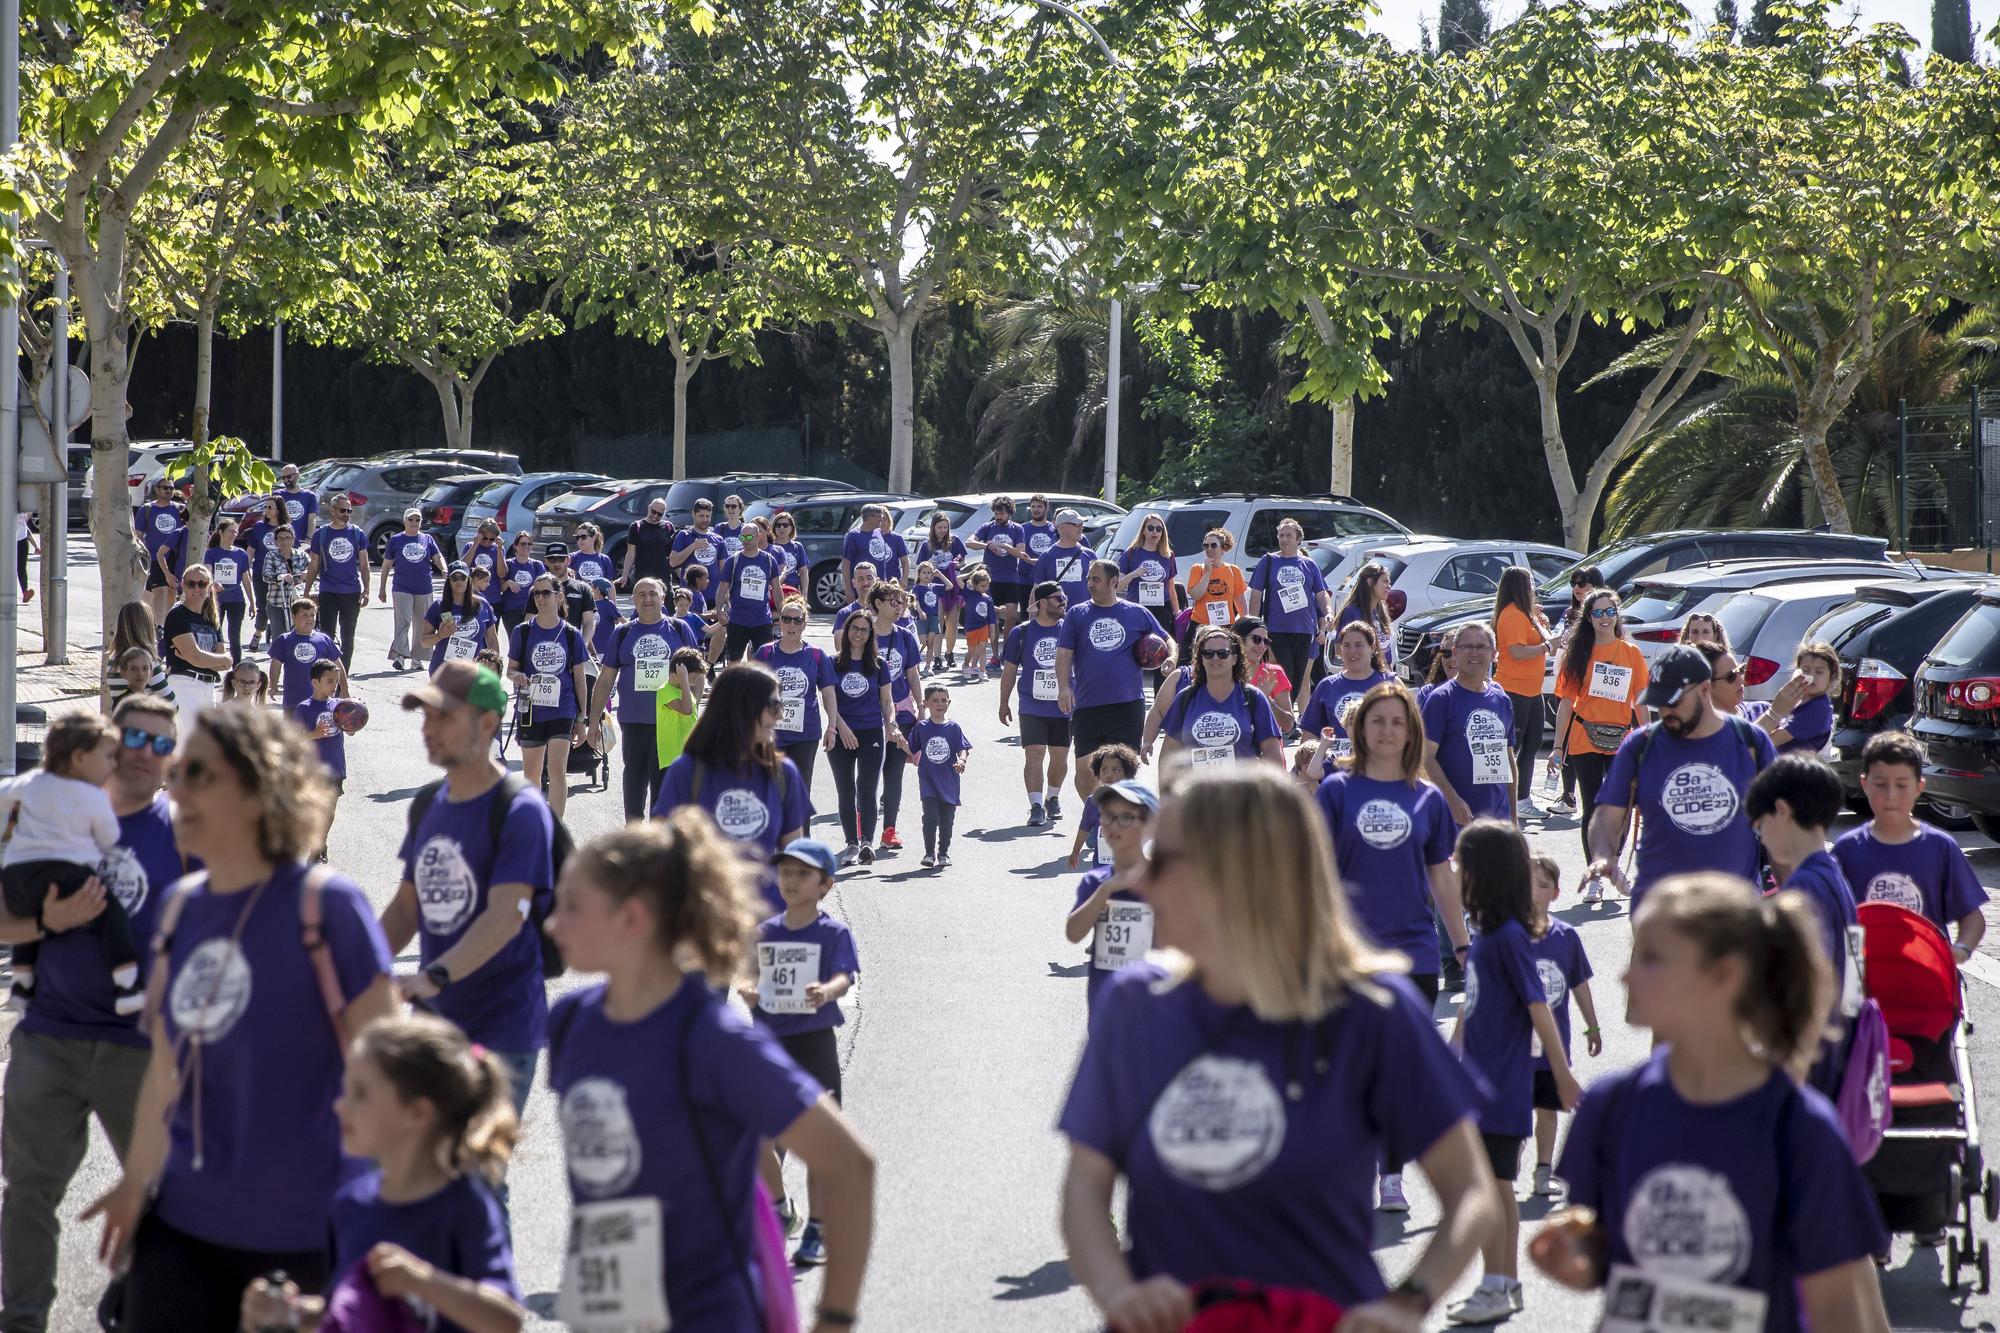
(958, 1049)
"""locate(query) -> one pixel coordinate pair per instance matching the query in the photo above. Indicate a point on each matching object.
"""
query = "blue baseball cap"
(809, 851)
(602, 587)
(1130, 789)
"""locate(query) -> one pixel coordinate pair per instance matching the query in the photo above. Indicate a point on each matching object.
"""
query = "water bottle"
(279, 1315)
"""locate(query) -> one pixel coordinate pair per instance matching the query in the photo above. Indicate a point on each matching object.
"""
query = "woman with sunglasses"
(235, 1153)
(791, 552)
(944, 553)
(547, 660)
(1602, 676)
(805, 690)
(1335, 699)
(1147, 570)
(486, 552)
(1524, 641)
(1220, 718)
(409, 558)
(1703, 628)
(1262, 670)
(517, 576)
(588, 563)
(1246, 1090)
(1215, 586)
(638, 664)
(865, 704)
(1290, 593)
(902, 659)
(458, 624)
(1368, 600)
(195, 655)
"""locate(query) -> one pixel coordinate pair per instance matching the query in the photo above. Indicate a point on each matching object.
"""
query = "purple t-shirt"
(232, 586)
(1069, 566)
(1038, 536)
(292, 658)
(945, 559)
(1350, 613)
(1754, 1193)
(1928, 874)
(1386, 837)
(1690, 799)
(1237, 724)
(937, 746)
(857, 693)
(488, 557)
(1474, 733)
(609, 618)
(1561, 963)
(745, 802)
(792, 555)
(1333, 703)
(885, 550)
(300, 507)
(752, 579)
(461, 1229)
(332, 748)
(73, 992)
(520, 581)
(271, 1063)
(339, 551)
(900, 652)
(930, 597)
(588, 566)
(451, 861)
(978, 610)
(1095, 976)
(1811, 726)
(257, 537)
(1153, 589)
(1291, 586)
(1818, 877)
(555, 651)
(410, 561)
(1100, 640)
(655, 644)
(1006, 566)
(708, 554)
(1229, 1175)
(468, 636)
(836, 955)
(1500, 984)
(628, 1133)
(158, 525)
(801, 677)
(1031, 647)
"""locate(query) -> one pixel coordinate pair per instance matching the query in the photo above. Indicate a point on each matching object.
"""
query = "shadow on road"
(1051, 1279)
(1062, 970)
(1014, 834)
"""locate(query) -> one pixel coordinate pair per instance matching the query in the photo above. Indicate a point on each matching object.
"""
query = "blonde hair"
(703, 895)
(1287, 930)
(424, 1057)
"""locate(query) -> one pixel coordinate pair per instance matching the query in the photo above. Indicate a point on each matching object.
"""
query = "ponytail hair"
(701, 891)
(422, 1056)
(1787, 981)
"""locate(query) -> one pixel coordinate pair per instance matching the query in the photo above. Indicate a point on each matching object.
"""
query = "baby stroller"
(1930, 1165)
(586, 760)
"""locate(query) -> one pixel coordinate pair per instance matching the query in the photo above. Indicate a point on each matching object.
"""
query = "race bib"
(784, 970)
(792, 713)
(1217, 613)
(1643, 1301)
(751, 582)
(1489, 762)
(1152, 593)
(544, 691)
(1610, 681)
(1124, 934)
(458, 649)
(650, 673)
(1045, 684)
(1208, 756)
(1291, 597)
(613, 1280)
(225, 573)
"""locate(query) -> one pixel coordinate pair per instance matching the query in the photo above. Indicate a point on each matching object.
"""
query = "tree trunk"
(1343, 447)
(1556, 452)
(902, 399)
(455, 401)
(684, 368)
(201, 504)
(466, 389)
(1826, 481)
(120, 565)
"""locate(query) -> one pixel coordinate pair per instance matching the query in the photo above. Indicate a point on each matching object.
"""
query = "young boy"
(1108, 764)
(139, 673)
(976, 619)
(315, 714)
(293, 655)
(938, 749)
(685, 612)
(678, 701)
(1120, 921)
(1897, 858)
(805, 962)
(1565, 972)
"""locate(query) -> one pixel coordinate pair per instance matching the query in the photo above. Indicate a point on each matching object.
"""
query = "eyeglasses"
(138, 738)
(1211, 546)
(1603, 612)
(728, 506)
(194, 583)
(343, 510)
(1218, 654)
(192, 774)
(543, 592)
(791, 620)
(656, 513)
(1260, 639)
(1123, 819)
(1730, 678)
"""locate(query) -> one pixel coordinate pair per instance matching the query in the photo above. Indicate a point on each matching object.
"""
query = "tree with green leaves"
(1951, 30)
(1767, 24)
(1726, 21)
(1462, 25)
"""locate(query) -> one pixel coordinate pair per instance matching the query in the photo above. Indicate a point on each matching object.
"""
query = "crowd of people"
(308, 1138)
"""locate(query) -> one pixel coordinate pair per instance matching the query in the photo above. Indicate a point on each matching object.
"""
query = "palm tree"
(1043, 389)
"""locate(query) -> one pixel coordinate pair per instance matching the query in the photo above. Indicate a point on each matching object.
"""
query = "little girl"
(1306, 768)
(1801, 716)
(1505, 1010)
(1110, 764)
(976, 618)
(1565, 972)
(436, 1116)
(1706, 1175)
(246, 681)
(59, 825)
(927, 600)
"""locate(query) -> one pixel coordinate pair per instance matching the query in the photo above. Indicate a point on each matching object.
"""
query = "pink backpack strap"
(312, 934)
(163, 945)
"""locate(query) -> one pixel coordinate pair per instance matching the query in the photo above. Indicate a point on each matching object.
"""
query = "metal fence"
(1948, 475)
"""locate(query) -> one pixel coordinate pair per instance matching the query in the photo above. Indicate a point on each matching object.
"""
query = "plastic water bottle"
(286, 1318)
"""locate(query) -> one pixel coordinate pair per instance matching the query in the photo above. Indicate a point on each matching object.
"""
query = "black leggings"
(340, 616)
(939, 816)
(232, 620)
(1294, 652)
(21, 564)
(895, 759)
(639, 747)
(182, 1284)
(739, 640)
(1590, 767)
(856, 775)
(803, 756)
(1528, 722)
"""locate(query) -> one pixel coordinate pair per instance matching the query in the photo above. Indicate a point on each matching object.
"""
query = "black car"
(1630, 559)
(1957, 688)
(444, 505)
(749, 485)
(822, 521)
(1882, 637)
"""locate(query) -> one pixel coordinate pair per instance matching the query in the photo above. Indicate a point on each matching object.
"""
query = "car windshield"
(1841, 624)
(310, 474)
(683, 494)
(493, 492)
(1742, 616)
(583, 497)
(1972, 639)
(1613, 559)
(441, 492)
(341, 476)
(1651, 603)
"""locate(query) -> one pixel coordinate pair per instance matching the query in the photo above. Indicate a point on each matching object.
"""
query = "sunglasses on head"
(138, 738)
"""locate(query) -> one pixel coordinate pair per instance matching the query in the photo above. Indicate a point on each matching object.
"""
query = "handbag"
(1605, 736)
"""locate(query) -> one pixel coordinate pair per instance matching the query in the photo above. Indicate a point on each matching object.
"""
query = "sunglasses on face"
(543, 592)
(1260, 639)
(138, 738)
(656, 513)
(1603, 612)
(1218, 654)
(1211, 546)
(194, 583)
(732, 507)
(1730, 678)
(791, 620)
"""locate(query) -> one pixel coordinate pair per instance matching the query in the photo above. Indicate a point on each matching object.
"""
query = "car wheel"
(1986, 824)
(828, 595)
(1944, 814)
(378, 542)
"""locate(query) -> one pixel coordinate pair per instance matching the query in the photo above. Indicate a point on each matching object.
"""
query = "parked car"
(1882, 635)
(444, 506)
(613, 506)
(513, 502)
(1957, 689)
(1253, 521)
(823, 521)
(1098, 531)
(1766, 626)
(970, 511)
(1433, 570)
(750, 485)
(247, 506)
(1629, 559)
(380, 490)
(77, 456)
(1657, 607)
(469, 460)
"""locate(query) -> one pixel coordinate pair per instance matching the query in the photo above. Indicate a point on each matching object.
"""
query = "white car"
(149, 460)
(1252, 519)
(1658, 605)
(911, 518)
(1427, 572)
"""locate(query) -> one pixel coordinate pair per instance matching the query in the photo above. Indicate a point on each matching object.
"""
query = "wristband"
(1458, 949)
(1590, 1032)
(829, 1315)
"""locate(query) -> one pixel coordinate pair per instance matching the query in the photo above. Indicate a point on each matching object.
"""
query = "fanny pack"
(1605, 736)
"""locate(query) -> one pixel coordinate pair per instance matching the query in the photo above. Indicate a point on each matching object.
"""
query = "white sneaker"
(1545, 1185)
(1486, 1305)
(1593, 890)
(1527, 809)
(1564, 805)
(848, 856)
(1392, 1200)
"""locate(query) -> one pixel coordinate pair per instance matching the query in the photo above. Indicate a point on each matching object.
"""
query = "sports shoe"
(1037, 816)
(1563, 806)
(1453, 972)
(811, 1252)
(890, 842)
(1486, 1305)
(1545, 1185)
(928, 861)
(788, 1216)
(1054, 806)
(866, 855)
(1928, 1239)
(951, 659)
(849, 855)
(1527, 809)
(944, 860)
(1593, 889)
(1392, 1200)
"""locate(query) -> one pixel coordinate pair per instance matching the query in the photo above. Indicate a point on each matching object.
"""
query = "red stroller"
(1930, 1165)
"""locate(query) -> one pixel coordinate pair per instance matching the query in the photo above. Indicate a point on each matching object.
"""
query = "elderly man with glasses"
(340, 568)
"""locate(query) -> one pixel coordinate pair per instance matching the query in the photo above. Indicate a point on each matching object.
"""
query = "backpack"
(1743, 732)
(1863, 1100)
(542, 901)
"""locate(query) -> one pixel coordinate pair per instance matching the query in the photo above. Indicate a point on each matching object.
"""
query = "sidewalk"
(38, 683)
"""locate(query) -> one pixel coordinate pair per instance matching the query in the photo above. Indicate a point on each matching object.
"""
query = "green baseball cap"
(460, 684)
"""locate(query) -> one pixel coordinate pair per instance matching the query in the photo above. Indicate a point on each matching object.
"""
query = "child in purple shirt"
(1896, 857)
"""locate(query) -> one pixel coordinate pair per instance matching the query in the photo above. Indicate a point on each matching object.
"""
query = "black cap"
(556, 549)
(1674, 671)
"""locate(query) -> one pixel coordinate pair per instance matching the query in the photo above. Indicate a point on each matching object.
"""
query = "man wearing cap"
(408, 559)
(1687, 774)
(1068, 561)
(301, 505)
(579, 607)
(1029, 655)
(471, 874)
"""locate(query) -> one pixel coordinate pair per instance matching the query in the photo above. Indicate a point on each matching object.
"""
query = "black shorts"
(534, 735)
(1107, 724)
(1039, 730)
(1427, 985)
(818, 1054)
(155, 576)
(1545, 1091)
(1503, 1151)
(1010, 594)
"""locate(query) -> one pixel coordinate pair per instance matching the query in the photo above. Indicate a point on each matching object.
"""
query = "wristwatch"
(438, 975)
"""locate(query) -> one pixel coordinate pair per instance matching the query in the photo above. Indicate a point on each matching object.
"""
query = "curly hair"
(701, 891)
(274, 758)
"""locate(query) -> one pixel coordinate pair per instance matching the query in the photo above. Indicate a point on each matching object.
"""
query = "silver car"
(511, 502)
(380, 490)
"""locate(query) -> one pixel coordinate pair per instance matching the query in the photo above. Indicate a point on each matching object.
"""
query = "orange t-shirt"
(1610, 693)
(1518, 675)
(1215, 594)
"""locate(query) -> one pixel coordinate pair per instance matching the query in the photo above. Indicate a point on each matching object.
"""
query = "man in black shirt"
(647, 545)
(579, 607)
